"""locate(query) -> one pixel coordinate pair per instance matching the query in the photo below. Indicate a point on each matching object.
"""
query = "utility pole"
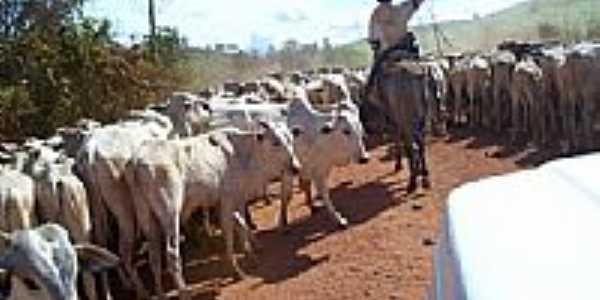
(152, 25)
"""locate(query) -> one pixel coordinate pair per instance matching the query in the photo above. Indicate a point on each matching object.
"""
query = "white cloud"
(208, 22)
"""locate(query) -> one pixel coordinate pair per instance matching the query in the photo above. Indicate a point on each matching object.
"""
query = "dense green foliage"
(56, 68)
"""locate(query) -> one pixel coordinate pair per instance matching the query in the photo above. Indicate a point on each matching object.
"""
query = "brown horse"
(399, 93)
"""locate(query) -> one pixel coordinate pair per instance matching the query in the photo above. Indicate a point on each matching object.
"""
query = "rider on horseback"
(389, 36)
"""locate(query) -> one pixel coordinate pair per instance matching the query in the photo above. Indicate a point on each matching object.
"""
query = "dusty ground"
(386, 253)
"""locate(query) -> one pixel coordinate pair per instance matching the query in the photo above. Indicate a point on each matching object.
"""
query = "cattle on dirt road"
(223, 169)
(328, 140)
(101, 163)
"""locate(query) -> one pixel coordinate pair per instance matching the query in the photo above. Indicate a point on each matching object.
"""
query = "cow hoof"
(412, 187)
(237, 272)
(316, 206)
(252, 226)
(252, 260)
(426, 184)
(398, 167)
(284, 229)
(342, 222)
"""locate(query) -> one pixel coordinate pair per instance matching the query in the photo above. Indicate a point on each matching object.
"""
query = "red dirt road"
(385, 253)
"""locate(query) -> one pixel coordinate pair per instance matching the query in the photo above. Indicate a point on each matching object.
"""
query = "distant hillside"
(564, 19)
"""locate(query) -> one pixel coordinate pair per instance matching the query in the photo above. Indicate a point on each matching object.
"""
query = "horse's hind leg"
(412, 154)
(421, 159)
(425, 183)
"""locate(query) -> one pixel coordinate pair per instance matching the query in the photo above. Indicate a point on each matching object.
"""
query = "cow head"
(189, 114)
(277, 142)
(45, 258)
(346, 135)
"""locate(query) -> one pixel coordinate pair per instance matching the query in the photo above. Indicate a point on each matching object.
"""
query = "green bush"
(52, 78)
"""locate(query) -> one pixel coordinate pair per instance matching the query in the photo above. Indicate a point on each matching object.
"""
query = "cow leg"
(268, 201)
(112, 192)
(306, 187)
(206, 222)
(287, 183)
(245, 236)
(227, 226)
(155, 256)
(322, 189)
(248, 217)
(472, 118)
(99, 227)
(143, 194)
(398, 153)
(167, 208)
(588, 109)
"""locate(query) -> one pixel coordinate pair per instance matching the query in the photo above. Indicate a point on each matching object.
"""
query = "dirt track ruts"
(385, 253)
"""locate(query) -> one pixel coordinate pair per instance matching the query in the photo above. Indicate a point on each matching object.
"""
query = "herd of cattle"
(142, 178)
(546, 93)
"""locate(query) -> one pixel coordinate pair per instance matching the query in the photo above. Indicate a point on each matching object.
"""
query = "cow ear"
(296, 131)
(260, 137)
(212, 140)
(327, 129)
(6, 237)
(95, 259)
(263, 124)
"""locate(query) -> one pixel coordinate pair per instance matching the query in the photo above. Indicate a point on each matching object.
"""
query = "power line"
(439, 35)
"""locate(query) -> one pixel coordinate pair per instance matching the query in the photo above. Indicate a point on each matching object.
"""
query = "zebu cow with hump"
(552, 61)
(478, 85)
(401, 95)
(223, 169)
(101, 162)
(46, 259)
(457, 79)
(437, 93)
(527, 111)
(321, 132)
(61, 198)
(583, 91)
(502, 64)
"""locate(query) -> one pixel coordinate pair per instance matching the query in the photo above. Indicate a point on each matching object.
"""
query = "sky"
(257, 23)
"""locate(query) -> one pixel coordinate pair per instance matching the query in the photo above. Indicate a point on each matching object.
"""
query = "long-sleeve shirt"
(389, 22)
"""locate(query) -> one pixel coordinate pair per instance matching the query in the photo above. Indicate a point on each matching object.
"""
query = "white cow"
(101, 163)
(328, 140)
(62, 199)
(46, 257)
(223, 169)
(189, 114)
(17, 200)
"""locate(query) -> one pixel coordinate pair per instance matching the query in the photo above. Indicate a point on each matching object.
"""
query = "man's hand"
(375, 45)
(417, 3)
